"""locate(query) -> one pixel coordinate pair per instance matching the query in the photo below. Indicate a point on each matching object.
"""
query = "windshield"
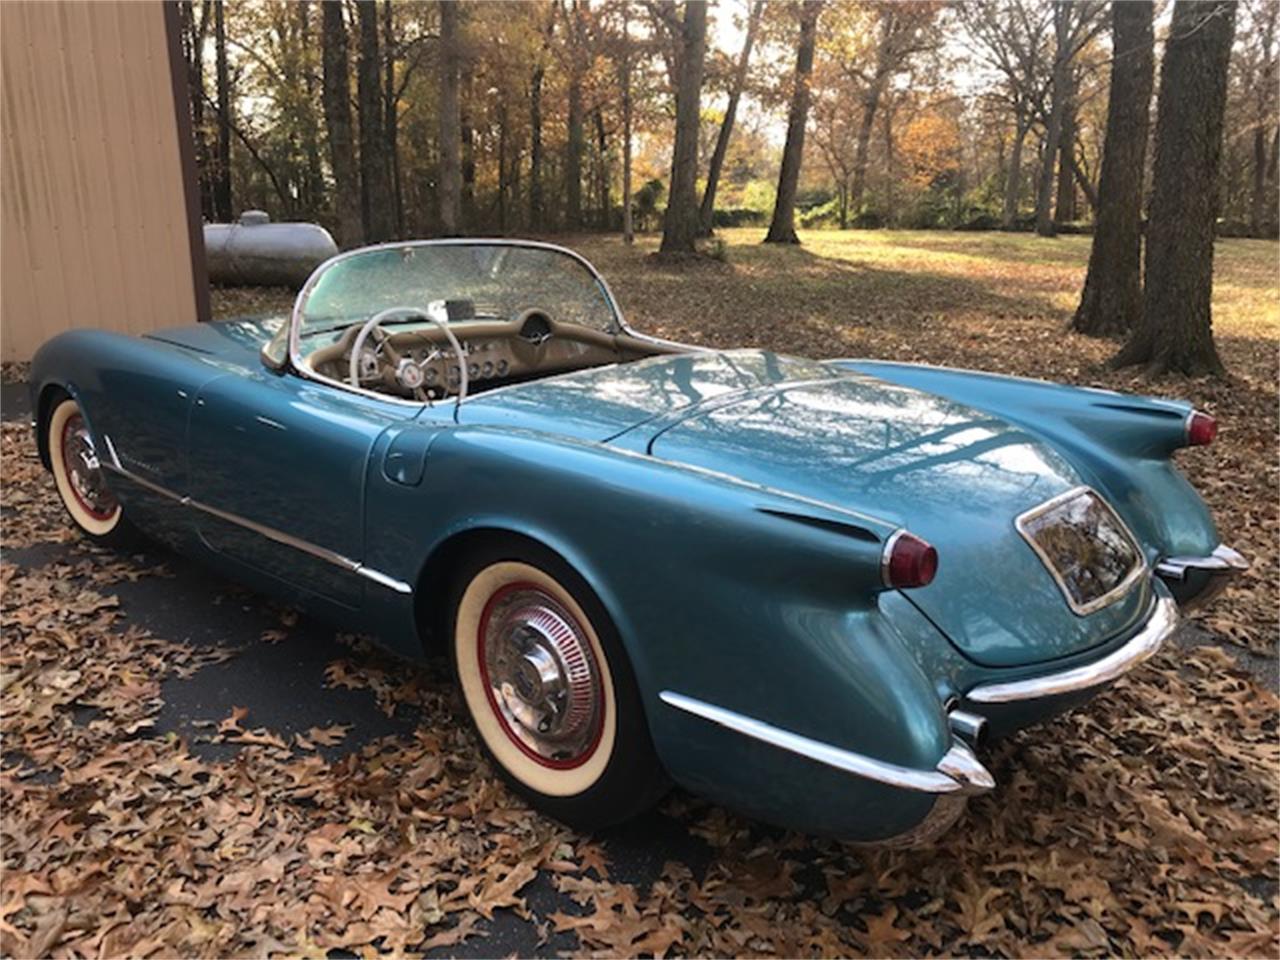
(484, 279)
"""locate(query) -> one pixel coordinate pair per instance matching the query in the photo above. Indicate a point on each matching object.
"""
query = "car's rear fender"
(718, 590)
(1122, 445)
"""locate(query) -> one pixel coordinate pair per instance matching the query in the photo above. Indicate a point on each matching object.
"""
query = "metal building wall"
(95, 215)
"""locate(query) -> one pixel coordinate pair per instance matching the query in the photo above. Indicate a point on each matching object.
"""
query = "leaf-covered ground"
(190, 770)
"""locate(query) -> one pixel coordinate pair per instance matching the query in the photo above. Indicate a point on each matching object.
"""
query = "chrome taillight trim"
(886, 554)
(1022, 521)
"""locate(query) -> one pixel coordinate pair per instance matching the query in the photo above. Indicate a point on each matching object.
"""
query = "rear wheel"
(550, 690)
(81, 480)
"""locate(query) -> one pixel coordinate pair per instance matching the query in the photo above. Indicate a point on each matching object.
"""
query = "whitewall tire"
(80, 478)
(548, 687)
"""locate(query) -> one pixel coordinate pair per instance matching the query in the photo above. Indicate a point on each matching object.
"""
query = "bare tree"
(1176, 329)
(337, 117)
(902, 31)
(1261, 67)
(375, 180)
(1075, 23)
(536, 81)
(578, 57)
(1010, 37)
(624, 69)
(194, 32)
(222, 205)
(450, 123)
(681, 223)
(1064, 207)
(1111, 303)
(391, 116)
(782, 228)
(726, 125)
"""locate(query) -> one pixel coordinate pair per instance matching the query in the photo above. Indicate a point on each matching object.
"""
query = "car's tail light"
(908, 561)
(1201, 429)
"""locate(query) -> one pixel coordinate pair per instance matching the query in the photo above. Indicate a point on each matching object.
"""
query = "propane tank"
(255, 252)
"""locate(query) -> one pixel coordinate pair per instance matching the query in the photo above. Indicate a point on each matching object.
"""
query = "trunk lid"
(951, 474)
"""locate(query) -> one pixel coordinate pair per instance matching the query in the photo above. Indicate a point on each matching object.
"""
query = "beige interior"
(498, 352)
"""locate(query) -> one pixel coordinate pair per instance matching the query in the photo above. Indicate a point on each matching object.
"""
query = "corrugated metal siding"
(93, 214)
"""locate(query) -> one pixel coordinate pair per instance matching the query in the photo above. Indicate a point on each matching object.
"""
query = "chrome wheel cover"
(540, 676)
(84, 470)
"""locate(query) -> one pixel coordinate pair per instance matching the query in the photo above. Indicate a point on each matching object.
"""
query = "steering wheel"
(435, 313)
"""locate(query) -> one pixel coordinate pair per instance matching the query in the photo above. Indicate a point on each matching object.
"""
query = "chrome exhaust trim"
(969, 727)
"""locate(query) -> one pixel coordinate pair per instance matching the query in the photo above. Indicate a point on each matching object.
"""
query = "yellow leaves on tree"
(930, 149)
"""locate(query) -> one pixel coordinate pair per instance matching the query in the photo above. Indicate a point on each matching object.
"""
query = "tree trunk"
(193, 37)
(870, 103)
(337, 119)
(575, 144)
(391, 119)
(782, 228)
(450, 125)
(1176, 329)
(535, 146)
(1111, 302)
(683, 217)
(707, 214)
(1057, 107)
(503, 186)
(375, 197)
(1064, 209)
(602, 168)
(468, 137)
(628, 225)
(314, 193)
(1013, 182)
(222, 201)
(1258, 200)
(891, 202)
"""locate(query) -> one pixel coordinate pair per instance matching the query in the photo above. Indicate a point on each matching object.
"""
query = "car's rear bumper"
(1143, 644)
(1194, 580)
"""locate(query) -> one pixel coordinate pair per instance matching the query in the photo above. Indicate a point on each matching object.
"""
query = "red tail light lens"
(1201, 429)
(908, 561)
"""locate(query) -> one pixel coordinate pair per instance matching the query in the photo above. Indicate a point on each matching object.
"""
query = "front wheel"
(550, 690)
(81, 479)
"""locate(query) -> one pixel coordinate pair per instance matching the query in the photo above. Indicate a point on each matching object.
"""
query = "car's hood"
(948, 473)
(232, 341)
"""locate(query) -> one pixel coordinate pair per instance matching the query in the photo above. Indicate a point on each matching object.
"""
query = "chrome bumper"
(959, 771)
(1142, 645)
(1194, 580)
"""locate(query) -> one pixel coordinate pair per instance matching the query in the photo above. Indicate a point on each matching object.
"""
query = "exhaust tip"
(969, 727)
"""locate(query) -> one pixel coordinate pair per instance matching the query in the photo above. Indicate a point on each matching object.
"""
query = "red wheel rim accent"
(74, 422)
(524, 748)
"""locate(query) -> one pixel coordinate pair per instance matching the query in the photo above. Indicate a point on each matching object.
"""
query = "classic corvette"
(804, 589)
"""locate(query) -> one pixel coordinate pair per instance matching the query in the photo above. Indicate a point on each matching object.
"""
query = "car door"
(277, 470)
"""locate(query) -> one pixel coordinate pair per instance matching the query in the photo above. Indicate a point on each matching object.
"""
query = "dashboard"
(422, 363)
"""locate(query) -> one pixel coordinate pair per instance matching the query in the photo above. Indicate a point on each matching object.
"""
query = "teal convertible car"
(803, 589)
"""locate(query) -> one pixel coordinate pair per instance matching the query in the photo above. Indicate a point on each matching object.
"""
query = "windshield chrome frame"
(619, 325)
